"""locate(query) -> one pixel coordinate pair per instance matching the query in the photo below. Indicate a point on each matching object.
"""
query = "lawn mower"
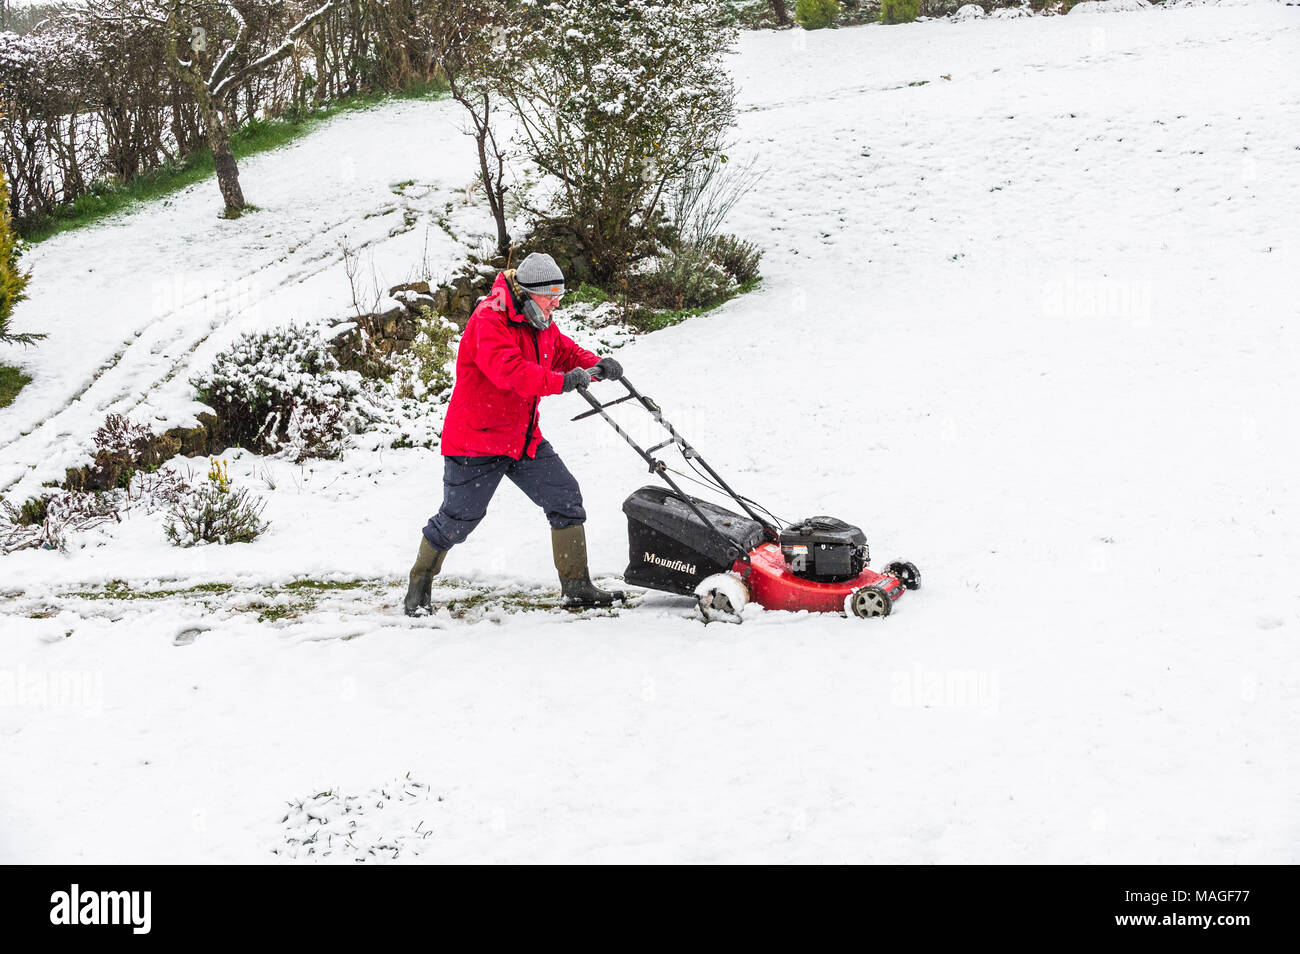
(682, 544)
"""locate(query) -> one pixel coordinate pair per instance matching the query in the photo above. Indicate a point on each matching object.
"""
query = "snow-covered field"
(1029, 316)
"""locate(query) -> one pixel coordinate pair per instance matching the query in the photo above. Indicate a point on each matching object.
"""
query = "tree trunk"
(492, 184)
(223, 160)
(488, 150)
(782, 15)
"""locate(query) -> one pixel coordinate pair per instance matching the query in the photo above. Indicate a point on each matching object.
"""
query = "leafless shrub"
(212, 515)
(66, 512)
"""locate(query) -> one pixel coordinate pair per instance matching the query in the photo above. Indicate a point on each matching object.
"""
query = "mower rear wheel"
(907, 573)
(870, 601)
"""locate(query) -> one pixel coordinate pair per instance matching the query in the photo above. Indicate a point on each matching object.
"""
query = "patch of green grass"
(257, 136)
(11, 382)
(281, 611)
(121, 590)
(587, 294)
(298, 585)
(248, 209)
(648, 319)
(511, 601)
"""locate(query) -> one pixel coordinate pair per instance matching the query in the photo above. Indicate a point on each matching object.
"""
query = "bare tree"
(210, 49)
(462, 46)
(224, 79)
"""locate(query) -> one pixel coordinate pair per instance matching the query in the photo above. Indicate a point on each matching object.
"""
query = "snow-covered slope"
(1028, 316)
(132, 306)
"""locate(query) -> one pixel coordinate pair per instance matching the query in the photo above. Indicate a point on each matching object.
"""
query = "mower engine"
(825, 549)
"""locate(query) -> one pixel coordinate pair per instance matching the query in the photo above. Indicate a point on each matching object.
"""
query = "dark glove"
(606, 369)
(577, 378)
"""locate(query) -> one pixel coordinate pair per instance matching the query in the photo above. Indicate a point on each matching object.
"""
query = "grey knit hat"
(539, 274)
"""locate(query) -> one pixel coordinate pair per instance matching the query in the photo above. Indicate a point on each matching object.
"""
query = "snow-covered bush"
(46, 523)
(284, 391)
(154, 490)
(209, 516)
(899, 11)
(214, 512)
(937, 9)
(969, 11)
(1108, 6)
(123, 449)
(816, 14)
(49, 520)
(615, 102)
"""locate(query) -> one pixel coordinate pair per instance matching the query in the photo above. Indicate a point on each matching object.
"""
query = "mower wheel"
(907, 574)
(721, 597)
(870, 601)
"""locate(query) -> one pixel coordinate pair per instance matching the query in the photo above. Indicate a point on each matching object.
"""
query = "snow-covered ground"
(1029, 316)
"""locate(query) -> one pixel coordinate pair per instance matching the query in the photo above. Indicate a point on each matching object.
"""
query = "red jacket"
(503, 369)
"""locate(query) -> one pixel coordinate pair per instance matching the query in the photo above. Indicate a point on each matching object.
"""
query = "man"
(511, 356)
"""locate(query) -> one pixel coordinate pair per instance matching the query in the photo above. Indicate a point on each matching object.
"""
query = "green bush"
(34, 511)
(738, 258)
(816, 14)
(12, 278)
(645, 320)
(586, 294)
(434, 352)
(899, 11)
(686, 277)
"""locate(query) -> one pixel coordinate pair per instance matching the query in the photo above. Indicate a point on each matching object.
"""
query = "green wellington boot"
(419, 595)
(570, 547)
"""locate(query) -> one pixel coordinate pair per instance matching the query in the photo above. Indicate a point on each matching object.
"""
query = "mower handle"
(659, 467)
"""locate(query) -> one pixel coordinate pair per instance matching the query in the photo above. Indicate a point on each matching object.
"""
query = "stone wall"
(392, 330)
(207, 439)
(365, 348)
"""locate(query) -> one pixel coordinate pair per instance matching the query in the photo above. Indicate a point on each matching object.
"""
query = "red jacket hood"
(500, 299)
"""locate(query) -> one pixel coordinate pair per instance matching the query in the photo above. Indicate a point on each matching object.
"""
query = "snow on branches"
(615, 101)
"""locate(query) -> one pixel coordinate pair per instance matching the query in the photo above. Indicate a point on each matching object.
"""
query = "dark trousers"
(468, 483)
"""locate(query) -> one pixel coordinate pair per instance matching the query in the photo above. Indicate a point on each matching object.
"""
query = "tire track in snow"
(200, 293)
(135, 359)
